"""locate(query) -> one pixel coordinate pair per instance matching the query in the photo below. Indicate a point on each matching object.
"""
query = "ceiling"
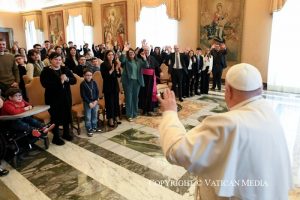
(28, 5)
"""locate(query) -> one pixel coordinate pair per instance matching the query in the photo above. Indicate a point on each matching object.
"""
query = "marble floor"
(127, 162)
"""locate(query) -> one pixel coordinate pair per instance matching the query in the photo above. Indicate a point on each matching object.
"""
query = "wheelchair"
(14, 143)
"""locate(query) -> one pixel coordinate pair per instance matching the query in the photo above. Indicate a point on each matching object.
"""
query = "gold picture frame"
(222, 21)
(56, 29)
(114, 24)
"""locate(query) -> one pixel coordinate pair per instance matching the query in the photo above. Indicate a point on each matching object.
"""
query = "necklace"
(90, 88)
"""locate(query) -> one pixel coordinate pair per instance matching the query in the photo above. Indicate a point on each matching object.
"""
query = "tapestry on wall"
(114, 24)
(221, 21)
(56, 27)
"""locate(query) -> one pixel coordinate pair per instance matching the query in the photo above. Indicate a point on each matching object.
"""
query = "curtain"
(283, 68)
(35, 16)
(32, 35)
(78, 32)
(173, 7)
(277, 5)
(157, 34)
(85, 10)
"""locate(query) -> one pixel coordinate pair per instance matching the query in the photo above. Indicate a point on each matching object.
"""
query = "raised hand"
(168, 102)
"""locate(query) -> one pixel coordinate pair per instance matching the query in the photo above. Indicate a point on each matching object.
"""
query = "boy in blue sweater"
(90, 94)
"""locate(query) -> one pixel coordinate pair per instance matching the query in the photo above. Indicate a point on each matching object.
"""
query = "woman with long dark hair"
(57, 80)
(34, 65)
(71, 59)
(110, 71)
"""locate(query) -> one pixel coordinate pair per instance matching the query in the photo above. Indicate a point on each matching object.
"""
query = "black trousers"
(197, 82)
(217, 78)
(145, 95)
(112, 106)
(177, 77)
(189, 84)
(204, 86)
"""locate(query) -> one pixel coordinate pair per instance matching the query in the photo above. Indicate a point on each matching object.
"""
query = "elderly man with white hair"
(240, 154)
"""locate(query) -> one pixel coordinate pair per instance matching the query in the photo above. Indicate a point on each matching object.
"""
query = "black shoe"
(58, 141)
(67, 137)
(181, 100)
(3, 172)
(118, 122)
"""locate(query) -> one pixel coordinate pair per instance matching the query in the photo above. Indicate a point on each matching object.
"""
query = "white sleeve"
(211, 60)
(199, 148)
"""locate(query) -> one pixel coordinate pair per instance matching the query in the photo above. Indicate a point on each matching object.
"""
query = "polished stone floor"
(127, 162)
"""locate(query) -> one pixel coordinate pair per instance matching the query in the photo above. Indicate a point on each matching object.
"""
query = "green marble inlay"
(59, 181)
(188, 127)
(140, 141)
(137, 168)
(220, 108)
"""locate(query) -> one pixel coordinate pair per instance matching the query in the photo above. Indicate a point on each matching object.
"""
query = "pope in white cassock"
(240, 154)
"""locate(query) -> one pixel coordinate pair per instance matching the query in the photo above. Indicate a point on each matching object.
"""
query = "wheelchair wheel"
(3, 146)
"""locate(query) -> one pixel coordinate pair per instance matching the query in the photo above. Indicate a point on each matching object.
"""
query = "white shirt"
(245, 144)
(175, 64)
(207, 62)
(190, 64)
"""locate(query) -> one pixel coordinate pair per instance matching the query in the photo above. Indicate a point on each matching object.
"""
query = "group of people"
(232, 146)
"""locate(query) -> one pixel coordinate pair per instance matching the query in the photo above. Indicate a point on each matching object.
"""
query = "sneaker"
(90, 132)
(130, 119)
(3, 172)
(94, 130)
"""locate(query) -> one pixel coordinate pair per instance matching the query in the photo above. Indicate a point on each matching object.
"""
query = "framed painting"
(221, 21)
(114, 24)
(56, 27)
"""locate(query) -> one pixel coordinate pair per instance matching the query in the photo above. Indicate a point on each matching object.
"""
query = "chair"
(166, 77)
(35, 93)
(121, 96)
(77, 105)
(99, 80)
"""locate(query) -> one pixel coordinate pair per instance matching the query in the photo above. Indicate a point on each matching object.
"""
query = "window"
(33, 36)
(284, 70)
(78, 33)
(156, 27)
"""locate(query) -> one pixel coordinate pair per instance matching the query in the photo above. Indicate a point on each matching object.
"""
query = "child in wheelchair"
(16, 105)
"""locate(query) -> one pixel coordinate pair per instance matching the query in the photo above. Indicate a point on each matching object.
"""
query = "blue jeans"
(131, 90)
(91, 116)
(26, 124)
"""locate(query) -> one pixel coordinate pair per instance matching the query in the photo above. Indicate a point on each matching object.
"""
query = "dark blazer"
(89, 91)
(182, 61)
(219, 62)
(110, 81)
(58, 95)
(199, 63)
(70, 64)
(194, 64)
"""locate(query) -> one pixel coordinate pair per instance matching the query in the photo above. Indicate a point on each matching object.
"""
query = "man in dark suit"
(218, 51)
(199, 63)
(177, 69)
